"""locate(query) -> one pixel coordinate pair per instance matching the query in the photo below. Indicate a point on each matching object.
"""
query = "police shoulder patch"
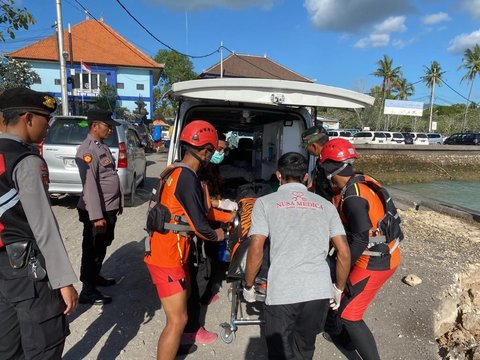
(87, 158)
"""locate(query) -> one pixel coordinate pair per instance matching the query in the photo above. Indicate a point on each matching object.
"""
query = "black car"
(408, 138)
(467, 138)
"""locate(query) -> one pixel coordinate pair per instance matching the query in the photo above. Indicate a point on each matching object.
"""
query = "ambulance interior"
(257, 137)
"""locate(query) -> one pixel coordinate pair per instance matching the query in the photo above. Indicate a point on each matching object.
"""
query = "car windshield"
(73, 132)
(397, 136)
(423, 136)
(380, 134)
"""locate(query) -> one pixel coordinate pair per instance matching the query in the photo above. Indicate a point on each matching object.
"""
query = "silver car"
(64, 136)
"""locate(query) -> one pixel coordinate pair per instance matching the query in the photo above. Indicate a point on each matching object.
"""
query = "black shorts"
(31, 317)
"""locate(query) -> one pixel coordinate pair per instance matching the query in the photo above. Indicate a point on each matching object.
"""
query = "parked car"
(369, 137)
(59, 148)
(467, 138)
(420, 138)
(270, 114)
(332, 134)
(408, 138)
(435, 139)
(394, 137)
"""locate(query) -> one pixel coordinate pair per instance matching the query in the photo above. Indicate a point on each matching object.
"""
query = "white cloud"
(392, 24)
(352, 15)
(374, 40)
(434, 19)
(202, 4)
(473, 7)
(464, 41)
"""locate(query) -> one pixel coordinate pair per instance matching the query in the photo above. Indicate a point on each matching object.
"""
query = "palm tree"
(433, 75)
(471, 62)
(403, 89)
(389, 74)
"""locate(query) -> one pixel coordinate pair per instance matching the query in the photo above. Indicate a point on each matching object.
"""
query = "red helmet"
(199, 133)
(339, 150)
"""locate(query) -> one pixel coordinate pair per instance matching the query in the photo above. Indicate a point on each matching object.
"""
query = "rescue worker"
(299, 283)
(313, 140)
(372, 262)
(99, 204)
(205, 267)
(36, 276)
(188, 205)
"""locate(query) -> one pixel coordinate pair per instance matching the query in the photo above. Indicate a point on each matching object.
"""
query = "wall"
(393, 164)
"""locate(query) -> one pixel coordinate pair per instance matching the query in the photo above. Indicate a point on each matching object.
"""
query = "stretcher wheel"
(227, 335)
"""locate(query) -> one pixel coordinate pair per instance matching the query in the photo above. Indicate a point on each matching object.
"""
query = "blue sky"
(334, 42)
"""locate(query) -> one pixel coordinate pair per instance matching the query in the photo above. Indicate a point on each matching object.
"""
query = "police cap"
(24, 99)
(312, 134)
(101, 115)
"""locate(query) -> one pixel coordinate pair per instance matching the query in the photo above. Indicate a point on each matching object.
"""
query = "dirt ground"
(405, 320)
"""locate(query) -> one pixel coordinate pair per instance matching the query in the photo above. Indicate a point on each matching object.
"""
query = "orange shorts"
(169, 281)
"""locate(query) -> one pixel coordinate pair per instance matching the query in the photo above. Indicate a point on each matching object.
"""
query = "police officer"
(36, 276)
(100, 203)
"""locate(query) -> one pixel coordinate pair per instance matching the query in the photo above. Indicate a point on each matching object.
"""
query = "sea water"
(465, 194)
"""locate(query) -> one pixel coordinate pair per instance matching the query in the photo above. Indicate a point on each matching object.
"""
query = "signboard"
(403, 107)
(434, 125)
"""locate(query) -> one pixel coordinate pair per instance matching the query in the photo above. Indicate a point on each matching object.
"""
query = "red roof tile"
(94, 42)
(249, 66)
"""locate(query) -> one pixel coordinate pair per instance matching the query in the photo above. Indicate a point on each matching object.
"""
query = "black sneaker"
(101, 281)
(93, 297)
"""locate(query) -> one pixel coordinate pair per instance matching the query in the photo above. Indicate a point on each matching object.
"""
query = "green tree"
(389, 75)
(140, 113)
(14, 73)
(471, 62)
(13, 18)
(402, 89)
(433, 76)
(177, 67)
(107, 97)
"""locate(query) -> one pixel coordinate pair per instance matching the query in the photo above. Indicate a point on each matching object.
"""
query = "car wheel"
(131, 200)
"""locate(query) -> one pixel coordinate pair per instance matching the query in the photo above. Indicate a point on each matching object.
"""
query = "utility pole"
(61, 57)
(72, 70)
(221, 59)
(432, 94)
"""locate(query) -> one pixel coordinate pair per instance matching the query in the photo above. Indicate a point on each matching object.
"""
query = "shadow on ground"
(134, 303)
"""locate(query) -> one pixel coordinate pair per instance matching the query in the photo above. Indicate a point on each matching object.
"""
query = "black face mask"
(322, 185)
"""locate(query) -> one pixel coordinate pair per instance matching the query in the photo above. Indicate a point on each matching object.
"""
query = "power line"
(160, 41)
(456, 92)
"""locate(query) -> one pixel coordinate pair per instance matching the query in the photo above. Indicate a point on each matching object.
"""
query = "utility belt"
(25, 254)
(380, 239)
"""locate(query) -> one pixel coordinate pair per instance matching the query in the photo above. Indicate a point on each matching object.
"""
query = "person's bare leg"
(175, 308)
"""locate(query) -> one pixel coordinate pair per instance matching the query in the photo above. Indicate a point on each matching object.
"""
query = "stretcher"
(238, 247)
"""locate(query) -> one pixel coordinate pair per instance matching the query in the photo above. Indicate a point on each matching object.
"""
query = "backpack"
(157, 133)
(158, 215)
(389, 224)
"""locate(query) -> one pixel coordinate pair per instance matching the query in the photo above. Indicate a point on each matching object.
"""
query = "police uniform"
(31, 307)
(101, 198)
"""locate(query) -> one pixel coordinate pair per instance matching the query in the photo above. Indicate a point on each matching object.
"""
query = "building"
(249, 66)
(97, 55)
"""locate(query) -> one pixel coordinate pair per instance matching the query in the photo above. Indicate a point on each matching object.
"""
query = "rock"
(412, 280)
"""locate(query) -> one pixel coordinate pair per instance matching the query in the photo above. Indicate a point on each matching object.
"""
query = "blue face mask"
(217, 157)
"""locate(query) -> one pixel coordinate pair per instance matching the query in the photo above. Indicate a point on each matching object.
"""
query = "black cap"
(24, 99)
(312, 134)
(101, 115)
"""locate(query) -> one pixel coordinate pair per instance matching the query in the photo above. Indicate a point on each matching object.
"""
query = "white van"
(270, 115)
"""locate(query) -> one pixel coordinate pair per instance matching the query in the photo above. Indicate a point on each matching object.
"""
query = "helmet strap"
(195, 155)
